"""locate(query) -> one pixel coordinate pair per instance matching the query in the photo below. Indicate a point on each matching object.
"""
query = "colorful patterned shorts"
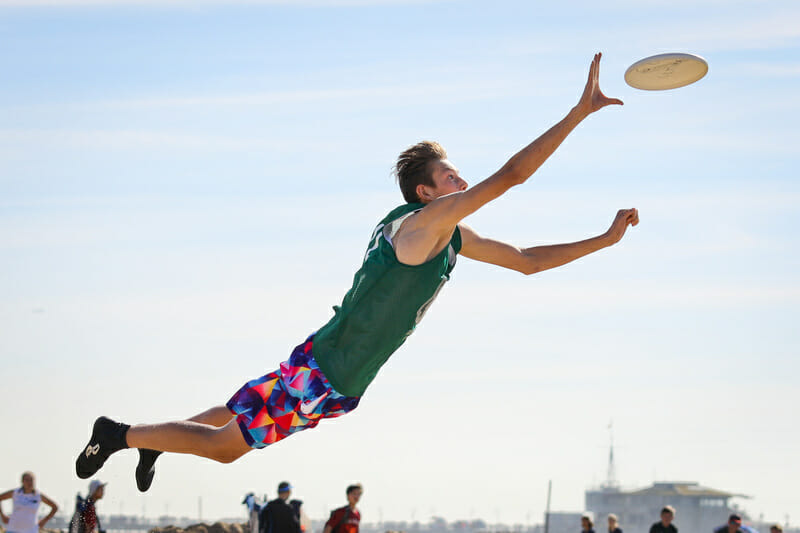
(291, 399)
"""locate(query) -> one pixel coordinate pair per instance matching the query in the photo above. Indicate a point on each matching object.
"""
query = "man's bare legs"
(212, 434)
(216, 416)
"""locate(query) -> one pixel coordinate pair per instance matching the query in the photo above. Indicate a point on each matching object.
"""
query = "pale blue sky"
(187, 187)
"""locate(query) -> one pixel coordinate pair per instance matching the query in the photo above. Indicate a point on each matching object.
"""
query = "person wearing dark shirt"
(586, 524)
(613, 524)
(734, 525)
(346, 519)
(90, 523)
(665, 525)
(279, 516)
(299, 513)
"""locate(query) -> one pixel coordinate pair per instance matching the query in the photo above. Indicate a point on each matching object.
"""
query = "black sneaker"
(146, 468)
(107, 437)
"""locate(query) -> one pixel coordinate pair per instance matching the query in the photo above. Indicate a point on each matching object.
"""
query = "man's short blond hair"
(413, 167)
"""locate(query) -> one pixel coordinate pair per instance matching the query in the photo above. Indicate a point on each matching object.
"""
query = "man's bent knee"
(229, 456)
(229, 444)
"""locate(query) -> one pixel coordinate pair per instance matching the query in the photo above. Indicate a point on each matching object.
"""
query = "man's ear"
(423, 193)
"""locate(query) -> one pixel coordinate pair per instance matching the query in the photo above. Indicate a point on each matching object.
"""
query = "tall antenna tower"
(611, 475)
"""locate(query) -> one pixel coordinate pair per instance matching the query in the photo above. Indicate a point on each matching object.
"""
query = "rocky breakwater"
(217, 527)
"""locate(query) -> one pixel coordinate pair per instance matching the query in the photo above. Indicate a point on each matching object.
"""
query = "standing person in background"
(734, 525)
(613, 524)
(346, 519)
(300, 514)
(665, 525)
(253, 512)
(89, 523)
(26, 501)
(587, 526)
(278, 516)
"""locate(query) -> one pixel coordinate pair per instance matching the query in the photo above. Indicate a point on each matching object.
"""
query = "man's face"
(666, 518)
(446, 181)
(732, 526)
(354, 496)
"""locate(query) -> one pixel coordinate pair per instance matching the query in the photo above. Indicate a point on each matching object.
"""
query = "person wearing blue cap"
(734, 525)
(279, 516)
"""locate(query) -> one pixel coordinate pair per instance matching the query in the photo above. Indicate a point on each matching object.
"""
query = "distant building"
(697, 509)
(562, 522)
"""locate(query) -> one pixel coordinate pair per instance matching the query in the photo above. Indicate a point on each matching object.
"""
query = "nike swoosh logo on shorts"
(308, 407)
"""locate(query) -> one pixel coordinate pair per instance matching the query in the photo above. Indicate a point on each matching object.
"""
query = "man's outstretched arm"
(449, 210)
(539, 258)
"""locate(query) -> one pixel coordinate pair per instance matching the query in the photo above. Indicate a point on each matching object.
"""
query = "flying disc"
(666, 71)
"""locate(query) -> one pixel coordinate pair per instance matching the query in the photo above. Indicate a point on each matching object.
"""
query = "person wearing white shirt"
(26, 500)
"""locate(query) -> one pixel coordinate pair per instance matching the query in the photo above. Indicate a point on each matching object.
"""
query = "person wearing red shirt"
(346, 519)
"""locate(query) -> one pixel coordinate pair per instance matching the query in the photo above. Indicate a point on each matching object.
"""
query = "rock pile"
(217, 527)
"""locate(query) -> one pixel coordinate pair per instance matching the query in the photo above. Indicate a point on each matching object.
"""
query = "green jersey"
(384, 305)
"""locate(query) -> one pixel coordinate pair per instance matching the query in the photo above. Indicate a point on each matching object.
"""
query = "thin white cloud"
(680, 3)
(357, 96)
(132, 139)
(194, 3)
(353, 98)
(775, 28)
(16, 140)
(736, 142)
(703, 32)
(555, 296)
(336, 3)
(767, 70)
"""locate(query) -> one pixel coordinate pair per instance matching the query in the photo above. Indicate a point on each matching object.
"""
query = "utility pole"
(547, 509)
(611, 475)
